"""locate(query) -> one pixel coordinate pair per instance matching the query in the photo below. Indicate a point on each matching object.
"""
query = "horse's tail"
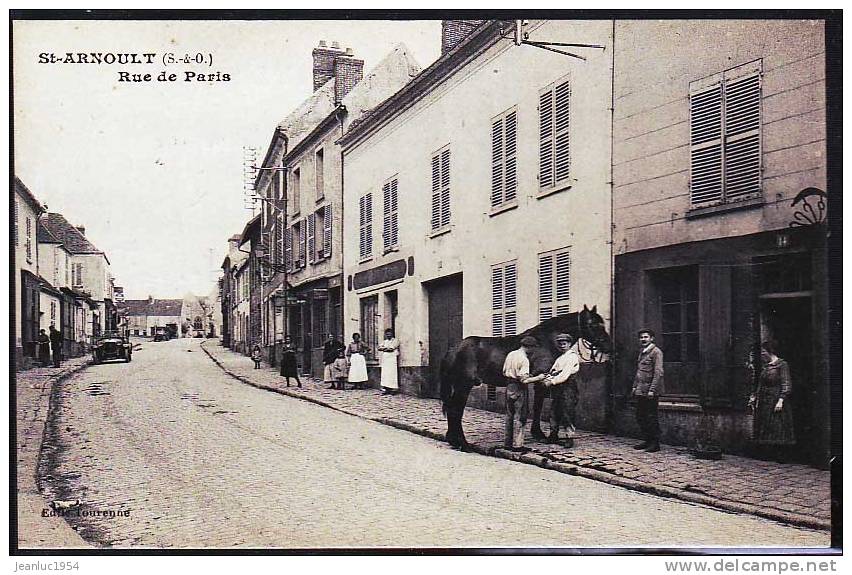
(446, 380)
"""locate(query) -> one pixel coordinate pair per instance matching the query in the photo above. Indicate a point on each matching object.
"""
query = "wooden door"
(445, 325)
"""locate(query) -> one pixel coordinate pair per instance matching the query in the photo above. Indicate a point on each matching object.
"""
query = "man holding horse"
(564, 394)
(516, 369)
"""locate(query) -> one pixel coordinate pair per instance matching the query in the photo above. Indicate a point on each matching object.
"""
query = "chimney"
(150, 299)
(348, 71)
(81, 229)
(324, 63)
(454, 31)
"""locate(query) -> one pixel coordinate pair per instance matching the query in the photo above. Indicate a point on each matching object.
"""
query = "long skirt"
(357, 368)
(771, 427)
(389, 371)
(288, 364)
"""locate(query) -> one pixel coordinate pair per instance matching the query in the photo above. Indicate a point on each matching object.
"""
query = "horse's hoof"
(465, 447)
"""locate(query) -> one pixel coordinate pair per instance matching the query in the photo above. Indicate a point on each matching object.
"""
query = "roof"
(156, 307)
(444, 67)
(252, 227)
(73, 240)
(45, 236)
(25, 192)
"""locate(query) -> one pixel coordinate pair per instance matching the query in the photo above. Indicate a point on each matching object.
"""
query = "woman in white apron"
(357, 362)
(388, 362)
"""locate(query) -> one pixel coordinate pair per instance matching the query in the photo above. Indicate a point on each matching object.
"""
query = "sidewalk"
(791, 493)
(32, 392)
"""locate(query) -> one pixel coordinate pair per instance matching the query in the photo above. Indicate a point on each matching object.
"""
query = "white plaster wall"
(459, 113)
(21, 263)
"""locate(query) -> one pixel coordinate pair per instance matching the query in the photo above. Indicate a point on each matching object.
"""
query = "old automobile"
(162, 333)
(112, 345)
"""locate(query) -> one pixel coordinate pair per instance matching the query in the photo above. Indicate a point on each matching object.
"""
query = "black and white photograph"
(393, 282)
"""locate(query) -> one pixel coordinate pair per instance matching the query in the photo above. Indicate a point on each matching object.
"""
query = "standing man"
(516, 368)
(649, 377)
(329, 354)
(56, 344)
(564, 393)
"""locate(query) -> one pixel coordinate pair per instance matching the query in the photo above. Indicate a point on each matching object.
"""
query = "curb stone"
(790, 518)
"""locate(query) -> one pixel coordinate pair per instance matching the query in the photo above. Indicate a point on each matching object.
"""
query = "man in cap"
(564, 394)
(648, 379)
(516, 368)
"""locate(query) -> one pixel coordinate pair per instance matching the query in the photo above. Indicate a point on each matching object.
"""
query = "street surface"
(202, 460)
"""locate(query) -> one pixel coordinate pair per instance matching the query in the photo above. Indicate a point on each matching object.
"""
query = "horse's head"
(592, 329)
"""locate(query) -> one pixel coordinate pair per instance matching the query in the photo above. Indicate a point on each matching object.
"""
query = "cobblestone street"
(200, 459)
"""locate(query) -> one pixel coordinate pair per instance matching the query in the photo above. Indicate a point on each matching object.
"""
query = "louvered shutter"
(288, 249)
(742, 138)
(563, 282)
(312, 238)
(497, 301)
(17, 240)
(510, 298)
(436, 192)
(303, 244)
(445, 188)
(394, 206)
(706, 145)
(545, 287)
(362, 218)
(368, 226)
(328, 222)
(387, 240)
(545, 144)
(497, 162)
(562, 129)
(511, 178)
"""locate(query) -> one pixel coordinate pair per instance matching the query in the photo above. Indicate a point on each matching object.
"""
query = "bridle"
(595, 355)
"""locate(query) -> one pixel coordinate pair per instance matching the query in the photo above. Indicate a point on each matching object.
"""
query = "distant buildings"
(143, 316)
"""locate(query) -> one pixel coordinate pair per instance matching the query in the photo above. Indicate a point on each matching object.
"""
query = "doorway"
(787, 321)
(445, 324)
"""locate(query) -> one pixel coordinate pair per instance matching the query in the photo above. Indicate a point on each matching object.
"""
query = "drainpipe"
(610, 407)
(341, 111)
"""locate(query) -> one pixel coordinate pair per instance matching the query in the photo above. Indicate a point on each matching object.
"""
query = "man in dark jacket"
(56, 344)
(329, 354)
(648, 379)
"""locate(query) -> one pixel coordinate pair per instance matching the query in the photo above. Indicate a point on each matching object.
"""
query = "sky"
(154, 170)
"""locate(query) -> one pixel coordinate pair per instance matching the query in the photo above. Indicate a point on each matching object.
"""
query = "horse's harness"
(595, 355)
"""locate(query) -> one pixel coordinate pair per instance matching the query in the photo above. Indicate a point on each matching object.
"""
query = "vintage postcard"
(394, 283)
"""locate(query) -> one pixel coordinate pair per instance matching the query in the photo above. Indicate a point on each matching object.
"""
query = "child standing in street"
(339, 369)
(255, 355)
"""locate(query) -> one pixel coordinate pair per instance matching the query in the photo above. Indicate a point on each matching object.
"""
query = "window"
(288, 249)
(280, 232)
(29, 240)
(53, 312)
(554, 112)
(441, 189)
(67, 271)
(504, 296)
(365, 224)
(55, 267)
(295, 184)
(369, 320)
(77, 275)
(504, 178)
(320, 174)
(554, 283)
(390, 229)
(327, 222)
(312, 238)
(725, 151)
(303, 243)
(678, 292)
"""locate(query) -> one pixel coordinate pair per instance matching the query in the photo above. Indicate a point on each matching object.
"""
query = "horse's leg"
(538, 405)
(462, 402)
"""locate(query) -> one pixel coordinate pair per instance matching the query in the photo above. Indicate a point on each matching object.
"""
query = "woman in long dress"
(388, 361)
(773, 414)
(357, 362)
(289, 366)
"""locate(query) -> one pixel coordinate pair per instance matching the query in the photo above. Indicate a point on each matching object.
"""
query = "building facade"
(143, 316)
(27, 210)
(719, 202)
(478, 197)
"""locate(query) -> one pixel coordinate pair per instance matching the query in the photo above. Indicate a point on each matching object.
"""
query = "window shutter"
(303, 228)
(369, 223)
(714, 332)
(545, 144)
(497, 163)
(445, 188)
(394, 229)
(511, 299)
(17, 240)
(706, 141)
(362, 217)
(387, 240)
(436, 191)
(742, 138)
(563, 282)
(327, 220)
(312, 238)
(497, 301)
(288, 249)
(545, 287)
(562, 131)
(511, 179)
(279, 238)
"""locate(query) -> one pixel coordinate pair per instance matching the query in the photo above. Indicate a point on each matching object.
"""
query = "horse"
(476, 360)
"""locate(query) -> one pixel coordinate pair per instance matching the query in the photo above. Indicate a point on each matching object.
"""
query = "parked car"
(112, 345)
(162, 333)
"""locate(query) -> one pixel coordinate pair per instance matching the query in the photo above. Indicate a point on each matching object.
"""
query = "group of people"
(50, 343)
(773, 419)
(344, 363)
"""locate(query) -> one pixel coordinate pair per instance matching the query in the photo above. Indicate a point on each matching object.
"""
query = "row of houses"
(191, 316)
(671, 173)
(60, 279)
